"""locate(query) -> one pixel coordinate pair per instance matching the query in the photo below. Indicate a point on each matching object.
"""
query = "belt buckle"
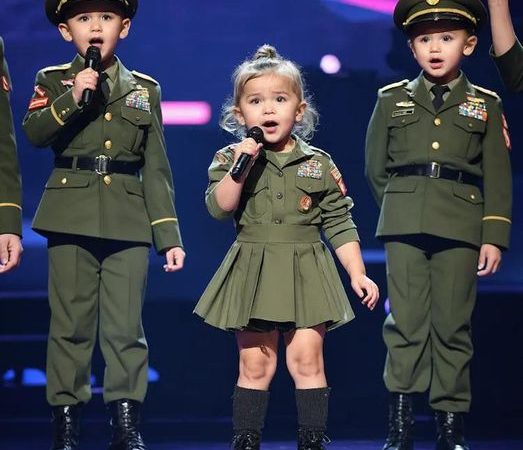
(435, 170)
(101, 163)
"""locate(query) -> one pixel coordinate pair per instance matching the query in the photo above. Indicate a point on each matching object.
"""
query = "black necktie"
(438, 91)
(104, 86)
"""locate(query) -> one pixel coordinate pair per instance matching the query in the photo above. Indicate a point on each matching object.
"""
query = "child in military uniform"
(108, 198)
(278, 276)
(506, 50)
(10, 188)
(437, 162)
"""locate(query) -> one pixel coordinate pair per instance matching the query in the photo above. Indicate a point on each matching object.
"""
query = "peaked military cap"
(56, 10)
(410, 12)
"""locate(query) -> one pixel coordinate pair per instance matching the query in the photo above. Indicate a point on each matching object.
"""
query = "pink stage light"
(383, 6)
(330, 64)
(186, 113)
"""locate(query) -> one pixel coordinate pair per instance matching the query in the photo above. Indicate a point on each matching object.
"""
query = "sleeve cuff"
(343, 237)
(166, 234)
(496, 232)
(64, 107)
(214, 209)
(10, 219)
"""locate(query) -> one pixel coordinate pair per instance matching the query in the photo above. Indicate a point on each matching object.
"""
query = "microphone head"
(93, 57)
(256, 133)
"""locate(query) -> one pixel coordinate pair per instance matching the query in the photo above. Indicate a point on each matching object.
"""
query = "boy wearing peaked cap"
(109, 197)
(10, 187)
(437, 162)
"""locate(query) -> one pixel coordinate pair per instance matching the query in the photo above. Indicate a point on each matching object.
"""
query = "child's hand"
(86, 79)
(174, 258)
(366, 290)
(248, 146)
(489, 260)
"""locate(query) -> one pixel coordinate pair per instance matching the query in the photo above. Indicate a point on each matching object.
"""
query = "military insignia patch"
(506, 134)
(139, 100)
(5, 84)
(403, 112)
(68, 83)
(310, 169)
(405, 104)
(221, 158)
(304, 204)
(339, 180)
(474, 107)
(39, 100)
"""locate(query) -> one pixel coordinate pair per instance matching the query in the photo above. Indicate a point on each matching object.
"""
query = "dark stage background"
(192, 47)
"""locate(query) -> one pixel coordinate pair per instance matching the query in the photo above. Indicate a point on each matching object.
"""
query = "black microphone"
(93, 60)
(241, 165)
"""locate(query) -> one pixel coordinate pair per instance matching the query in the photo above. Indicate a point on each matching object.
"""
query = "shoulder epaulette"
(145, 77)
(320, 151)
(393, 85)
(65, 66)
(486, 91)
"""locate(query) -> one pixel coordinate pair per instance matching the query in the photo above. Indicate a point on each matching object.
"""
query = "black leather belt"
(102, 165)
(436, 170)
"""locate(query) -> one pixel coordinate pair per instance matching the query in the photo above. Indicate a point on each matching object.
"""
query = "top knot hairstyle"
(266, 59)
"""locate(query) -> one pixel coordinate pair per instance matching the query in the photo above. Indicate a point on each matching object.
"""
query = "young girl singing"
(279, 276)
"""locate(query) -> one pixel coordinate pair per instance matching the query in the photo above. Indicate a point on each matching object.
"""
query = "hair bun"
(266, 51)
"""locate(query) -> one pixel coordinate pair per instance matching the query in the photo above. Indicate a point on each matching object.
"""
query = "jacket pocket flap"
(136, 116)
(401, 184)
(133, 187)
(470, 125)
(308, 184)
(403, 121)
(468, 193)
(65, 180)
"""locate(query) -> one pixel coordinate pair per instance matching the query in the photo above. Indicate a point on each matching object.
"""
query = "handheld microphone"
(93, 60)
(241, 165)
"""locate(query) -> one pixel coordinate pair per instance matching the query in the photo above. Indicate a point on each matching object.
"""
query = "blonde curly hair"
(267, 60)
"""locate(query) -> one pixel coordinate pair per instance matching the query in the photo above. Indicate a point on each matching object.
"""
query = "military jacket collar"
(418, 93)
(124, 83)
(301, 151)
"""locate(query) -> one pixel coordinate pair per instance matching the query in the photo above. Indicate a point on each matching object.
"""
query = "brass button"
(107, 180)
(108, 144)
(63, 113)
(277, 221)
(138, 118)
(435, 145)
(470, 125)
(437, 121)
(63, 180)
(472, 196)
(279, 195)
(280, 174)
(108, 116)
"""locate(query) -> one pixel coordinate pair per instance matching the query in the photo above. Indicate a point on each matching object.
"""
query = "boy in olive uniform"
(437, 162)
(506, 49)
(108, 198)
(10, 186)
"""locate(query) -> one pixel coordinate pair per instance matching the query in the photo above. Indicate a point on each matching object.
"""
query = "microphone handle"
(240, 166)
(87, 96)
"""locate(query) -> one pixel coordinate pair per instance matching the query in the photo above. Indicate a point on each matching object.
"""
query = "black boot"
(66, 427)
(249, 407)
(400, 423)
(125, 421)
(313, 408)
(450, 431)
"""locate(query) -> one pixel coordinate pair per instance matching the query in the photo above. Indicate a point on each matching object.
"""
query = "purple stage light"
(383, 6)
(330, 64)
(186, 113)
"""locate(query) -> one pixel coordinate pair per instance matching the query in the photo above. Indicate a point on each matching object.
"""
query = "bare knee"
(256, 371)
(305, 366)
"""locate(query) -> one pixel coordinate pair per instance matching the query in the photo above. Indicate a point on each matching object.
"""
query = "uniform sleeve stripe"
(12, 205)
(503, 219)
(167, 219)
(53, 111)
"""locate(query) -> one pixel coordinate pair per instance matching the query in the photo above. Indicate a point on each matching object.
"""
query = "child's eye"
(107, 17)
(424, 39)
(83, 18)
(281, 99)
(447, 38)
(254, 101)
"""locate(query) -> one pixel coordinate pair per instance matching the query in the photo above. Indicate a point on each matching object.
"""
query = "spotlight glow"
(186, 113)
(383, 6)
(330, 64)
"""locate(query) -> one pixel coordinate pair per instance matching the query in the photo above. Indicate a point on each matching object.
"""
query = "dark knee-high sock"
(249, 408)
(313, 408)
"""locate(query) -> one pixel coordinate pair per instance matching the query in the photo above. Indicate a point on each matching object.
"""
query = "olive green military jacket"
(307, 190)
(467, 134)
(126, 128)
(10, 185)
(510, 66)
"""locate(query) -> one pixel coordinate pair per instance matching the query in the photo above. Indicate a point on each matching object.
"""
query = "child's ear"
(300, 111)
(239, 116)
(470, 45)
(63, 28)
(126, 25)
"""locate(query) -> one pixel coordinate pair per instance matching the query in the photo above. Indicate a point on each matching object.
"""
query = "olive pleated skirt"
(277, 273)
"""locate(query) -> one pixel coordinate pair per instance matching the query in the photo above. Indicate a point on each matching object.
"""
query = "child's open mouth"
(270, 125)
(436, 63)
(98, 42)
